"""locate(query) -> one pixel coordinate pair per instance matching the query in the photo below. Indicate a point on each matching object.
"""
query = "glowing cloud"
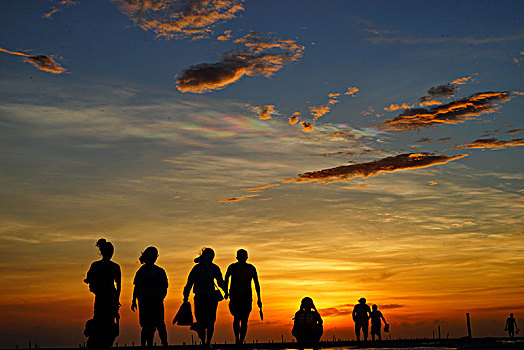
(225, 36)
(388, 164)
(351, 91)
(491, 143)
(428, 101)
(180, 18)
(60, 4)
(294, 118)
(307, 127)
(514, 131)
(395, 107)
(451, 113)
(260, 188)
(236, 199)
(261, 56)
(42, 62)
(265, 111)
(320, 111)
(461, 81)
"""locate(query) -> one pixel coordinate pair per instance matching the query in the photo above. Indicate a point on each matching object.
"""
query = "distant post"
(439, 331)
(469, 325)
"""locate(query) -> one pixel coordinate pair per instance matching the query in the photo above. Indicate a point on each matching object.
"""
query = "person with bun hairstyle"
(104, 280)
(150, 290)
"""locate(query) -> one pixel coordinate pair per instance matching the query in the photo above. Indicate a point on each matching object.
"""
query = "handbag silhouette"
(184, 316)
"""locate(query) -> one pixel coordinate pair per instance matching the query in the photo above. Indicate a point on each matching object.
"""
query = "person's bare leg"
(236, 329)
(243, 329)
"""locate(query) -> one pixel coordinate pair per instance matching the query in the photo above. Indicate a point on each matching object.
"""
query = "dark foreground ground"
(412, 344)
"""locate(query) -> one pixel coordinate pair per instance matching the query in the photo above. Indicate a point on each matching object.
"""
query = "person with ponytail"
(308, 325)
(150, 290)
(104, 280)
(202, 280)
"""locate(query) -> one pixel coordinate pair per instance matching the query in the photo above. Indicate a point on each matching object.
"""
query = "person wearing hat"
(361, 314)
(150, 290)
(240, 293)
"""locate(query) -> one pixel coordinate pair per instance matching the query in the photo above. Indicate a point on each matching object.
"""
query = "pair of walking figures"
(150, 290)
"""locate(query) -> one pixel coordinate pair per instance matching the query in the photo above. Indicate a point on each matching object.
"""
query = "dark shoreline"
(454, 343)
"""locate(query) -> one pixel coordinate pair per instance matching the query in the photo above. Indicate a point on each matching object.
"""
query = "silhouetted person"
(202, 280)
(307, 326)
(150, 290)
(361, 314)
(376, 323)
(511, 326)
(240, 293)
(104, 279)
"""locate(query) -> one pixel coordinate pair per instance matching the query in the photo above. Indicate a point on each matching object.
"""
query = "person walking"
(150, 290)
(104, 280)
(511, 326)
(376, 323)
(242, 274)
(361, 314)
(202, 280)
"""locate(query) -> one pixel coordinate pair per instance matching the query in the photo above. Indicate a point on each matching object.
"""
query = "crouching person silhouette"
(150, 290)
(308, 326)
(104, 280)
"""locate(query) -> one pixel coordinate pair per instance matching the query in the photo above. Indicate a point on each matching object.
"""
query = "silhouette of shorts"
(205, 309)
(151, 314)
(240, 306)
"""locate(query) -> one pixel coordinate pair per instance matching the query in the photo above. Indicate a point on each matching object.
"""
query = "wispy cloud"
(42, 62)
(352, 91)
(307, 127)
(264, 112)
(180, 18)
(391, 306)
(491, 143)
(236, 199)
(392, 39)
(451, 113)
(388, 164)
(225, 36)
(260, 188)
(60, 4)
(396, 107)
(514, 131)
(448, 90)
(261, 55)
(294, 118)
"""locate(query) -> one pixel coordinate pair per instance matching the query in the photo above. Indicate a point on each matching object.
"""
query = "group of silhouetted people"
(205, 279)
(150, 289)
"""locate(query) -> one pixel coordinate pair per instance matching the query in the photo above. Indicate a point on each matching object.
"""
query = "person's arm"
(165, 284)
(257, 287)
(189, 284)
(354, 313)
(228, 274)
(133, 303)
(118, 281)
(220, 280)
(382, 316)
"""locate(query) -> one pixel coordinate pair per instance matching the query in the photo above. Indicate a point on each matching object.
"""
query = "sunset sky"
(353, 148)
